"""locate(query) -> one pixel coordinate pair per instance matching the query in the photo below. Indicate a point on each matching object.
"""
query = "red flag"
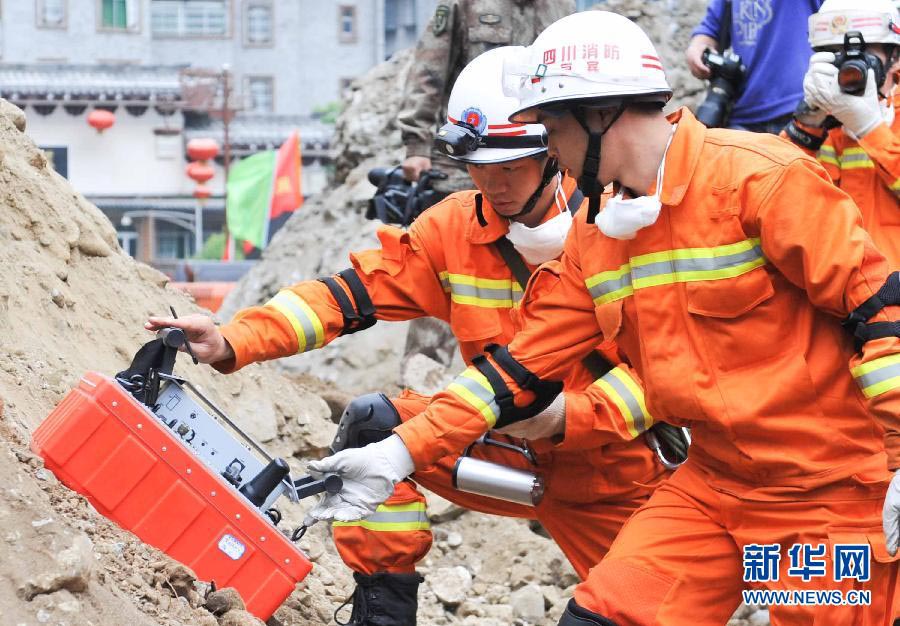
(287, 194)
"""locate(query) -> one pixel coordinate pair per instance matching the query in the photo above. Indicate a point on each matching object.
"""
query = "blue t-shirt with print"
(771, 38)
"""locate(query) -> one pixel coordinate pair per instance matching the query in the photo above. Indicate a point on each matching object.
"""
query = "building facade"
(161, 67)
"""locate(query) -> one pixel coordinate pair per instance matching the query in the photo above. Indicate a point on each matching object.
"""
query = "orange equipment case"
(104, 444)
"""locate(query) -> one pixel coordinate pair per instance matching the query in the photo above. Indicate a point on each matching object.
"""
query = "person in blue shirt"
(770, 37)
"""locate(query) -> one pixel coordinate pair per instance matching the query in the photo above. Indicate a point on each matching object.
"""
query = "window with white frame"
(347, 23)
(260, 94)
(119, 15)
(51, 13)
(189, 18)
(258, 24)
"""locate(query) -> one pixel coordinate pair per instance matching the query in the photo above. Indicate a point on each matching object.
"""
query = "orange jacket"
(729, 308)
(869, 170)
(445, 267)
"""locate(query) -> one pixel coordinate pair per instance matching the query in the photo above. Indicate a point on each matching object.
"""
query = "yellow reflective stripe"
(306, 324)
(676, 266)
(445, 281)
(828, 155)
(473, 388)
(855, 158)
(695, 253)
(386, 526)
(488, 283)
(694, 276)
(628, 398)
(895, 186)
(392, 518)
(878, 376)
(490, 293)
(401, 508)
(486, 303)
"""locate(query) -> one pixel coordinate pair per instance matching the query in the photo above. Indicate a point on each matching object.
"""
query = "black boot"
(383, 599)
(575, 615)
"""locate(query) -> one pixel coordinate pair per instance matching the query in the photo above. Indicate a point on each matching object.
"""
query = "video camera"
(398, 201)
(728, 72)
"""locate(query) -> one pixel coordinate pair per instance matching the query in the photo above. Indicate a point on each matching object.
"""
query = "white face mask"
(621, 219)
(545, 241)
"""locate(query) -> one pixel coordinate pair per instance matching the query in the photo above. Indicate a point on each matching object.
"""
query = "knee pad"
(367, 419)
(575, 615)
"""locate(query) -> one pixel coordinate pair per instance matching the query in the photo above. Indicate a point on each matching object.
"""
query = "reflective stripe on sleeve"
(878, 376)
(490, 293)
(855, 158)
(306, 324)
(676, 266)
(393, 518)
(475, 390)
(828, 155)
(628, 398)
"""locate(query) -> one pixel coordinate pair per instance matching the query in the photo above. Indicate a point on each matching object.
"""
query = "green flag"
(248, 197)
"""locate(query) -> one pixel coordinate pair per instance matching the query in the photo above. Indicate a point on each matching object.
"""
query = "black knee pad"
(366, 419)
(575, 615)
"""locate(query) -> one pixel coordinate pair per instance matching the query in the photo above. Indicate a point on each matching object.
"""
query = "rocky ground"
(71, 301)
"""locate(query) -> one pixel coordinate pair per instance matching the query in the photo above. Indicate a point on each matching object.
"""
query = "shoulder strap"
(513, 260)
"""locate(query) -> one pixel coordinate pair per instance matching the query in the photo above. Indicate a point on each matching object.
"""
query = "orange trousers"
(584, 531)
(680, 558)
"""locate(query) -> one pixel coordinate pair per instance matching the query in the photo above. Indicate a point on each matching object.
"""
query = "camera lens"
(852, 76)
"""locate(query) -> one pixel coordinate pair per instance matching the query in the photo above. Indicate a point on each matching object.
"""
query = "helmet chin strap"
(551, 168)
(587, 182)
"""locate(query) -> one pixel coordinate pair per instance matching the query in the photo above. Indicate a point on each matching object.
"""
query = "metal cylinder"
(497, 481)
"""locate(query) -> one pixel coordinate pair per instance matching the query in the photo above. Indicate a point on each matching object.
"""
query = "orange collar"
(497, 226)
(683, 155)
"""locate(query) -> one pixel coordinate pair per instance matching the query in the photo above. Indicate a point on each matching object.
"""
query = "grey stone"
(528, 603)
(450, 584)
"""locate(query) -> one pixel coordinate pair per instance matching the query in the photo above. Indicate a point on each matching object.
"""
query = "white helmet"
(478, 129)
(877, 21)
(594, 56)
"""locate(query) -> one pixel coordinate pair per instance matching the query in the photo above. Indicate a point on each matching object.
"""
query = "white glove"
(890, 515)
(858, 114)
(369, 474)
(551, 421)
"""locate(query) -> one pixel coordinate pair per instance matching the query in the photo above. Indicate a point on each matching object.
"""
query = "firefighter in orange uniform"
(449, 265)
(862, 155)
(724, 270)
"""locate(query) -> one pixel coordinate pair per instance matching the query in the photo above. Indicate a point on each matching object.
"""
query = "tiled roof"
(145, 203)
(252, 132)
(90, 83)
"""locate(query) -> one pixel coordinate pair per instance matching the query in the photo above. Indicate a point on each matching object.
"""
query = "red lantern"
(202, 149)
(202, 192)
(199, 172)
(101, 119)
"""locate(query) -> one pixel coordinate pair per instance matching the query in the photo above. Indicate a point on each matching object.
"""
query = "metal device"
(669, 443)
(152, 453)
(210, 434)
(727, 75)
(498, 481)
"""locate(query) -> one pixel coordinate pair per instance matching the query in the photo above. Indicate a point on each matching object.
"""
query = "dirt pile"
(72, 301)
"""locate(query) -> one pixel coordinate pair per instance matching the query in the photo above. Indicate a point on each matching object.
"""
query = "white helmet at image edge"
(877, 21)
